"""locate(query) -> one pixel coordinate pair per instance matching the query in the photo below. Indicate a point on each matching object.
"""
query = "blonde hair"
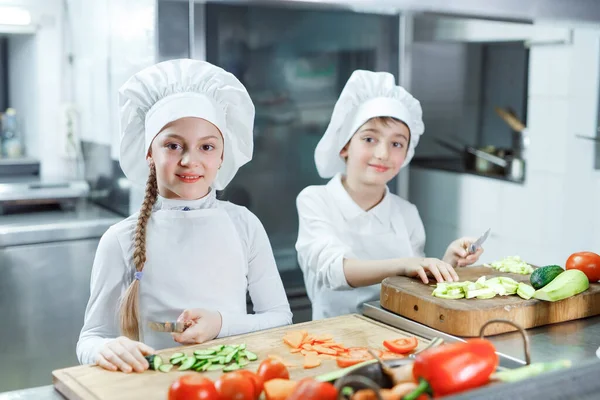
(129, 310)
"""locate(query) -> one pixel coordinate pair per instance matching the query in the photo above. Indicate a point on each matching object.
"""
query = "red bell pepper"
(454, 368)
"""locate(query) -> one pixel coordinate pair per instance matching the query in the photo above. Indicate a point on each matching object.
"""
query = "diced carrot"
(294, 339)
(279, 389)
(308, 339)
(323, 338)
(293, 351)
(324, 350)
(311, 360)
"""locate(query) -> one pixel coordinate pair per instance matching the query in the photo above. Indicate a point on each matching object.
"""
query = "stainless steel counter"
(573, 340)
(87, 220)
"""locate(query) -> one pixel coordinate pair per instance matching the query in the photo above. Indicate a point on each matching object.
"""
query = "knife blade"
(475, 246)
(167, 326)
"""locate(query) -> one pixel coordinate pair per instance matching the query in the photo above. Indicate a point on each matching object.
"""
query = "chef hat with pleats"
(175, 89)
(366, 95)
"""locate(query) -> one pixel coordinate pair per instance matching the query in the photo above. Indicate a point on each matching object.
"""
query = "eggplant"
(354, 377)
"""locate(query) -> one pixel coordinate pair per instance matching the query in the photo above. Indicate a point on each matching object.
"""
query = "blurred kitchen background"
(510, 96)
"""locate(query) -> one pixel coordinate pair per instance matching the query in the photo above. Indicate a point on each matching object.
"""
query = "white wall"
(34, 82)
(557, 211)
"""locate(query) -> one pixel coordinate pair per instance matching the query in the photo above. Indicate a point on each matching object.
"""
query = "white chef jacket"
(203, 253)
(333, 227)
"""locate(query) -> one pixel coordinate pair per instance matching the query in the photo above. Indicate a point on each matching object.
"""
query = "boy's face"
(377, 151)
(187, 155)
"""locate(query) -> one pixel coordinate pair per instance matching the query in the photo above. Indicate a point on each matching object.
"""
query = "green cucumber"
(544, 275)
(187, 363)
(231, 367)
(567, 284)
(177, 360)
(177, 355)
(250, 355)
(215, 367)
(154, 361)
(165, 367)
(205, 352)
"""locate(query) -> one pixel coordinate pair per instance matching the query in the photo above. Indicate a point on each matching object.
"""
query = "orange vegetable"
(294, 339)
(279, 389)
(402, 345)
(312, 361)
(324, 350)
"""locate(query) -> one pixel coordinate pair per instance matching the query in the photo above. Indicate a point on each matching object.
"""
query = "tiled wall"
(557, 210)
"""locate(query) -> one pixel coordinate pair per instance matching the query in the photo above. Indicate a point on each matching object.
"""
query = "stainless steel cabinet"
(44, 289)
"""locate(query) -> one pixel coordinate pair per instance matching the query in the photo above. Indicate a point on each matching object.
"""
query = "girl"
(186, 129)
(353, 232)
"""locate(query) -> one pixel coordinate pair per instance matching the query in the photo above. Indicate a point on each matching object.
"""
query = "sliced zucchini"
(205, 352)
(199, 363)
(187, 363)
(177, 355)
(231, 367)
(177, 360)
(243, 362)
(215, 367)
(250, 355)
(165, 367)
(154, 361)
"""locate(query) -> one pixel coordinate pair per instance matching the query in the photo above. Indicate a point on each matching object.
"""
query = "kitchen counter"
(86, 220)
(576, 340)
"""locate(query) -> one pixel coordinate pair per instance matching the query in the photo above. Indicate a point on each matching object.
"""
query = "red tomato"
(193, 387)
(235, 386)
(271, 369)
(310, 389)
(402, 345)
(587, 262)
(257, 380)
(355, 355)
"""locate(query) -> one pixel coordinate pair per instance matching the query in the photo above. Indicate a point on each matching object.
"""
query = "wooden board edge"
(69, 387)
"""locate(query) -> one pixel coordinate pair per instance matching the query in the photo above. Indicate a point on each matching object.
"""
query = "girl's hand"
(124, 354)
(457, 254)
(204, 324)
(422, 267)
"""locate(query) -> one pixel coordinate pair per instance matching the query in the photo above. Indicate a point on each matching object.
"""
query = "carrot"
(307, 346)
(295, 351)
(311, 361)
(294, 339)
(279, 389)
(324, 350)
(323, 338)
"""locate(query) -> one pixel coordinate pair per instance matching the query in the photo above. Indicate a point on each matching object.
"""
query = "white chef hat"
(366, 95)
(175, 89)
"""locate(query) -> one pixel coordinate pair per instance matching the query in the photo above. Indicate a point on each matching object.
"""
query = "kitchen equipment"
(520, 136)
(412, 299)
(21, 186)
(488, 160)
(89, 382)
(167, 326)
(475, 246)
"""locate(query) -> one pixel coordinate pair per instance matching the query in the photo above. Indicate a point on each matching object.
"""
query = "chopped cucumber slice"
(165, 367)
(187, 363)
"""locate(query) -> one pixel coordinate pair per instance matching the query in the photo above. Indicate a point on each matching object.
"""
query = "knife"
(475, 246)
(167, 326)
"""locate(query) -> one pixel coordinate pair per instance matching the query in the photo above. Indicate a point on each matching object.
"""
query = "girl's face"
(187, 155)
(377, 151)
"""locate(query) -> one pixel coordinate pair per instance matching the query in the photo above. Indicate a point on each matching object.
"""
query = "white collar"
(208, 201)
(350, 209)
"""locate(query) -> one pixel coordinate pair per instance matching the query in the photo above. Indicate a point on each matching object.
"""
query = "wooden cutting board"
(412, 299)
(90, 382)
